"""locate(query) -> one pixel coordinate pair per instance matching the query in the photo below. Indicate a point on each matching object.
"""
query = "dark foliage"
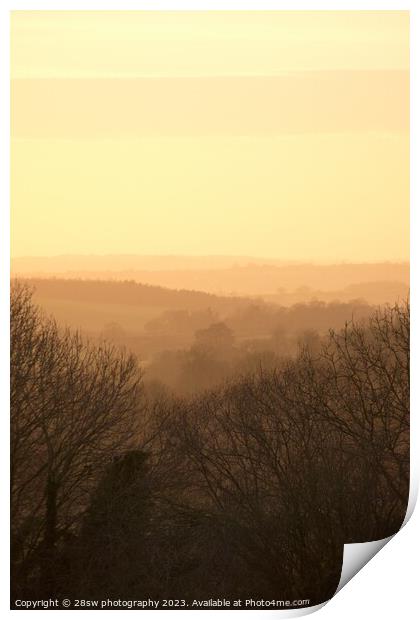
(246, 490)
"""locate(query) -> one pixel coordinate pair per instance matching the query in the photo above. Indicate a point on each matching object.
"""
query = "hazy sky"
(271, 134)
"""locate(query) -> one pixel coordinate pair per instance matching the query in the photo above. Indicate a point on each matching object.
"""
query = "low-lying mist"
(188, 341)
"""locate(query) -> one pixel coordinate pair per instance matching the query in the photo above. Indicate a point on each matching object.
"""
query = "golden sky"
(278, 134)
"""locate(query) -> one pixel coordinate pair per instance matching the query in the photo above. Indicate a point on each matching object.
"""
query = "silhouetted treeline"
(246, 490)
(128, 292)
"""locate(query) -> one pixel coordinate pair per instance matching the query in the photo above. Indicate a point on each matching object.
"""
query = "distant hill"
(374, 292)
(90, 304)
(151, 319)
(131, 262)
(221, 275)
(127, 292)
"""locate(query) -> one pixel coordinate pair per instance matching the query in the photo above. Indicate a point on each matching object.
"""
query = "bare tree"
(294, 463)
(360, 385)
(73, 405)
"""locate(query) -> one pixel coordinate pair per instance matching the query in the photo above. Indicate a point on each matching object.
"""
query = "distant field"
(93, 317)
(92, 305)
(149, 320)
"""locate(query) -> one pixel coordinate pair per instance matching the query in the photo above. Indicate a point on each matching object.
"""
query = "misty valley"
(174, 444)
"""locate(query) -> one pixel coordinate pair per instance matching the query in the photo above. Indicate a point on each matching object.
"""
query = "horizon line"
(337, 261)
